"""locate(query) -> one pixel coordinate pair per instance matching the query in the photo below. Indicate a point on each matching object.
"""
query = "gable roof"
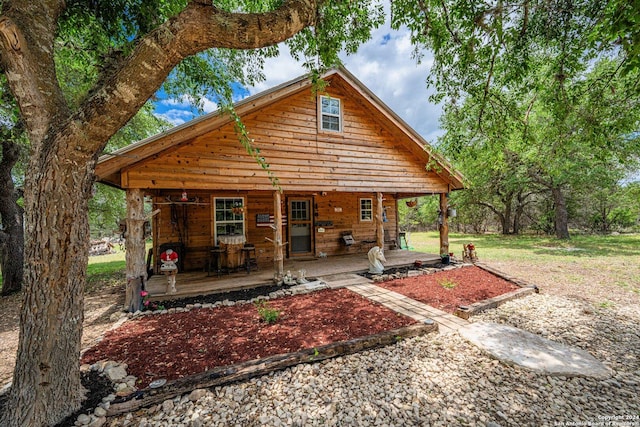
(110, 166)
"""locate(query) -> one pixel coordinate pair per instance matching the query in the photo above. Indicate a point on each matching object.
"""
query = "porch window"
(366, 209)
(228, 216)
(330, 114)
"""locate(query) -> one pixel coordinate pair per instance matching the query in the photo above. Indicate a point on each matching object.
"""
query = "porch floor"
(199, 283)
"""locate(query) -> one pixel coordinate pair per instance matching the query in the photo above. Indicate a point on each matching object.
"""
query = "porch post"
(278, 256)
(379, 222)
(136, 268)
(444, 225)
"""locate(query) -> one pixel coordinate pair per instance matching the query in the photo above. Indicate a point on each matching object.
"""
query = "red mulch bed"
(472, 284)
(172, 346)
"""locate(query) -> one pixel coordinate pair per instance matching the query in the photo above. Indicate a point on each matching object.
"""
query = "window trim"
(361, 211)
(321, 114)
(216, 222)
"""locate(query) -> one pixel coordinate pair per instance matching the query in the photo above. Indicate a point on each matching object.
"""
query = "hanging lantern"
(184, 197)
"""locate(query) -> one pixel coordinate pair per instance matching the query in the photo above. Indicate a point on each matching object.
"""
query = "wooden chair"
(215, 258)
(249, 257)
(393, 244)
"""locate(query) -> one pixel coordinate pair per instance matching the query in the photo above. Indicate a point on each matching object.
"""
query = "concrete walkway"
(395, 301)
(503, 342)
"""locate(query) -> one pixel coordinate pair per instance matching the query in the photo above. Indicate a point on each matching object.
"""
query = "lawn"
(585, 259)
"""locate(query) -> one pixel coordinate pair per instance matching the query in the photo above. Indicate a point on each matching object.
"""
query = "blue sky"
(384, 64)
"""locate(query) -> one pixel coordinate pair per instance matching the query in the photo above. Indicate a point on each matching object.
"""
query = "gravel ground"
(438, 380)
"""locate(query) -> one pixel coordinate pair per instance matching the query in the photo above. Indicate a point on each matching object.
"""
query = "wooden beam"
(136, 267)
(379, 222)
(278, 254)
(444, 226)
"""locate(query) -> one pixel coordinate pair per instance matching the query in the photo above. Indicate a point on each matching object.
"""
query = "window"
(228, 216)
(366, 209)
(330, 114)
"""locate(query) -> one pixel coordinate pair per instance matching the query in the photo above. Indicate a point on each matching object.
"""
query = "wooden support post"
(444, 225)
(379, 222)
(136, 267)
(278, 255)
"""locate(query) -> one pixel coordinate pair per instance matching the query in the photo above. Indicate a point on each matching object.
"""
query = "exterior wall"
(366, 156)
(341, 209)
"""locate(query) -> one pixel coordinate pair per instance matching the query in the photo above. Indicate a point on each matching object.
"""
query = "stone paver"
(512, 345)
(397, 302)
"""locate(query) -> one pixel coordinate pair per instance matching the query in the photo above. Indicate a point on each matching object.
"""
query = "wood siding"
(192, 224)
(366, 156)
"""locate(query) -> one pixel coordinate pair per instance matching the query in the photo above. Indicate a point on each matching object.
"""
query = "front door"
(300, 227)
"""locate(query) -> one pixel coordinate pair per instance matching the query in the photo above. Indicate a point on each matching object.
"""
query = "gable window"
(228, 216)
(330, 114)
(366, 209)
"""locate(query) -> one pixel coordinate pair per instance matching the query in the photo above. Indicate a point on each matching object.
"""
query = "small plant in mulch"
(267, 313)
(447, 283)
(149, 305)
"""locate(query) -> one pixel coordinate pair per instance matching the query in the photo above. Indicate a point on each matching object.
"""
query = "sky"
(384, 65)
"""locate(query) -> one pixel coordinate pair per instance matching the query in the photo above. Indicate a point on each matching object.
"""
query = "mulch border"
(242, 371)
(465, 312)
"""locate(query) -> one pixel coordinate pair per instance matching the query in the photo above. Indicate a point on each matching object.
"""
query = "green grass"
(609, 261)
(495, 247)
(105, 271)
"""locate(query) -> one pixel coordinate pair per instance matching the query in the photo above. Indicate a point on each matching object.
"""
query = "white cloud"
(208, 105)
(176, 116)
(385, 65)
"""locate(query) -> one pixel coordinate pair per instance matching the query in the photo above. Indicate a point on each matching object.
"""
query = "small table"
(233, 244)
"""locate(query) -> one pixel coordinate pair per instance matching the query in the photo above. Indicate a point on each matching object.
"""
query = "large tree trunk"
(56, 254)
(561, 214)
(12, 235)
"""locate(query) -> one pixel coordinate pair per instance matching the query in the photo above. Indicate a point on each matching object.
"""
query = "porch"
(199, 283)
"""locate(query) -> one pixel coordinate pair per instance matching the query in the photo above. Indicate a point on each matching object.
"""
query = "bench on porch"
(347, 239)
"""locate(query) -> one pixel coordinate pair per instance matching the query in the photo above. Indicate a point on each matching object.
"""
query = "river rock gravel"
(439, 380)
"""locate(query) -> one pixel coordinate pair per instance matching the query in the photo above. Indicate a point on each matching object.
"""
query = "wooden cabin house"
(342, 159)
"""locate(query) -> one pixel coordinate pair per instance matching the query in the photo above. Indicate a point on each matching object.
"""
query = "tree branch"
(198, 27)
(27, 31)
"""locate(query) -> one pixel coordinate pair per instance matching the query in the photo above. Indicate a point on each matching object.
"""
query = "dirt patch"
(450, 289)
(99, 305)
(171, 346)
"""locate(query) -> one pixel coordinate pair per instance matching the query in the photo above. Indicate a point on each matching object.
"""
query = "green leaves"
(342, 25)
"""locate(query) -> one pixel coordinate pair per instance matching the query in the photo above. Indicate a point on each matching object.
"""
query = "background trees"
(542, 98)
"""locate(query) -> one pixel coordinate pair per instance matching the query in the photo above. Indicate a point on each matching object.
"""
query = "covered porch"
(200, 283)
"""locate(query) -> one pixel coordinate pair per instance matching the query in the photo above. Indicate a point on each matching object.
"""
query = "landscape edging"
(465, 312)
(253, 368)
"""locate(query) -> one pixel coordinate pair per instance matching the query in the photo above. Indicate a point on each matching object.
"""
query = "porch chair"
(215, 258)
(249, 256)
(393, 244)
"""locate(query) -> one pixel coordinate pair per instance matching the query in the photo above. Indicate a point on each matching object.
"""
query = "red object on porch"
(166, 256)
